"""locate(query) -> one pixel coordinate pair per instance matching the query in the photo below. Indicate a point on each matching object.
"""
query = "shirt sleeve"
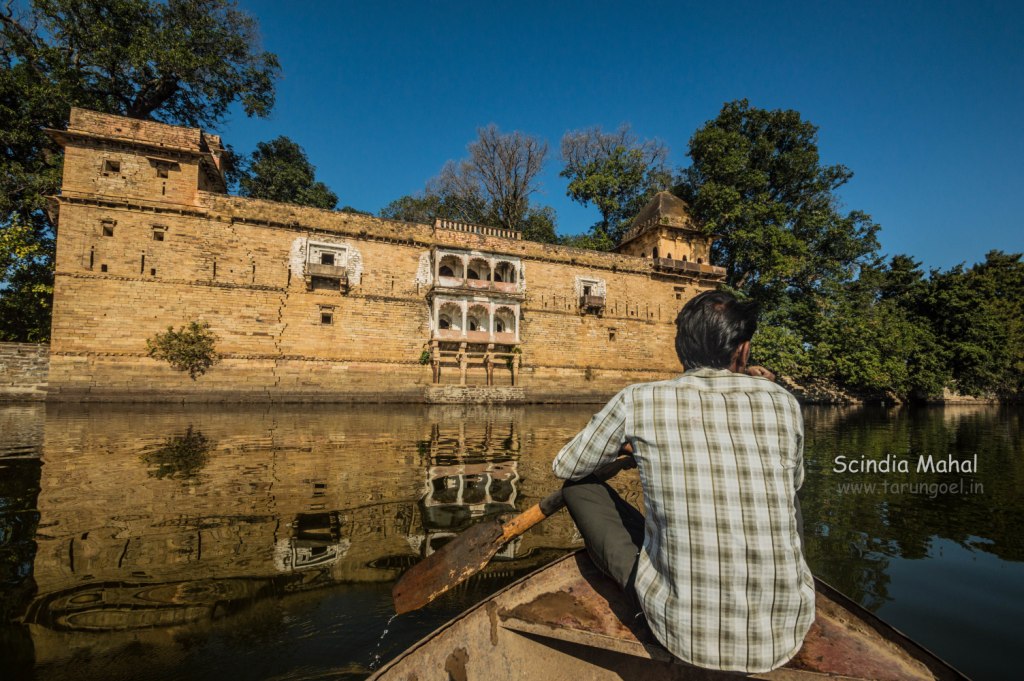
(598, 443)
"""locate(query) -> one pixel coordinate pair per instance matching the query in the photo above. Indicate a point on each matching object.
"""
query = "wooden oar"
(468, 553)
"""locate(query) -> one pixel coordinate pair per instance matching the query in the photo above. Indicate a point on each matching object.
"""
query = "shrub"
(190, 348)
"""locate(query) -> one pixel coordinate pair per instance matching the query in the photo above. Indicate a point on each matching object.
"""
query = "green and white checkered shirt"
(721, 575)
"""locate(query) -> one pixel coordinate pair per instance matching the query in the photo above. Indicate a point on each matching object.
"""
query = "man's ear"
(740, 357)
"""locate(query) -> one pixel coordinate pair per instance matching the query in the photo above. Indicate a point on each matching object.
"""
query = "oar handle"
(553, 502)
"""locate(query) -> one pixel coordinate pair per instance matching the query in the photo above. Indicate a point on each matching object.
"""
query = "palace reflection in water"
(193, 541)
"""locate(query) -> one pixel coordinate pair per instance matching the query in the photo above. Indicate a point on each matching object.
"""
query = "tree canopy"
(182, 61)
(757, 181)
(616, 172)
(280, 171)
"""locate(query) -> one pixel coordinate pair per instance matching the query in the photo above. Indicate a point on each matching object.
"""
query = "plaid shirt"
(721, 575)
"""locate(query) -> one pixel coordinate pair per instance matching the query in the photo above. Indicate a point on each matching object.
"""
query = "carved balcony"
(592, 303)
(334, 275)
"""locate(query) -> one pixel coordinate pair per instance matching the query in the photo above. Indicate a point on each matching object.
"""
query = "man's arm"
(598, 443)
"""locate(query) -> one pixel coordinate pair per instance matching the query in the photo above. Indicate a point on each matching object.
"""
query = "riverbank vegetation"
(836, 311)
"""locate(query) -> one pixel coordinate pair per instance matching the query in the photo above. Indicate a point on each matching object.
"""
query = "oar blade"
(450, 565)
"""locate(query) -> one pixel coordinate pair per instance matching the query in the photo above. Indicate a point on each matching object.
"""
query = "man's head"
(714, 330)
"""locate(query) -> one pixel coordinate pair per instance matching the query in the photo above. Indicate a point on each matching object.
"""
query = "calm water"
(255, 543)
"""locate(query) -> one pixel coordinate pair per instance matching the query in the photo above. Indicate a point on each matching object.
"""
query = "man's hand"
(760, 372)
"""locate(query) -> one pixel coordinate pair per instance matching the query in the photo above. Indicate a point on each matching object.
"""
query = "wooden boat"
(568, 621)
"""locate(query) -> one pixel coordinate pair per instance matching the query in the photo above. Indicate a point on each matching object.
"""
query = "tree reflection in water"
(181, 457)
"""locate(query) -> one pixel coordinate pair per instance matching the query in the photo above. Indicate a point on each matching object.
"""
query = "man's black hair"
(710, 327)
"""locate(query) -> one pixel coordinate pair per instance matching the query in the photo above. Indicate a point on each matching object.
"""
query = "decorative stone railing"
(482, 230)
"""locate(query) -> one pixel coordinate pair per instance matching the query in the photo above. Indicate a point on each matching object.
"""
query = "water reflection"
(177, 542)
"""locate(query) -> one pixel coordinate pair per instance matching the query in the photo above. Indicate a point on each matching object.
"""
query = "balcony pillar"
(463, 364)
(435, 361)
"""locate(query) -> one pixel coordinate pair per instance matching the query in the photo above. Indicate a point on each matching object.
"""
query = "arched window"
(669, 256)
(504, 320)
(450, 266)
(505, 272)
(700, 261)
(449, 317)
(477, 319)
(478, 269)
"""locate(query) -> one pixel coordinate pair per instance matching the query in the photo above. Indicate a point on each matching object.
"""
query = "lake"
(212, 542)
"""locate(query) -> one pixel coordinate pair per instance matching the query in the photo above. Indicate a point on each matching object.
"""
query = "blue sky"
(924, 101)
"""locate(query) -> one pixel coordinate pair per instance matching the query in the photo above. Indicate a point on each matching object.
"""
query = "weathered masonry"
(319, 305)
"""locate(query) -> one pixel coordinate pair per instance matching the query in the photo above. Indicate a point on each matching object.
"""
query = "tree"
(757, 182)
(280, 171)
(181, 61)
(503, 169)
(540, 224)
(191, 348)
(978, 316)
(492, 186)
(615, 171)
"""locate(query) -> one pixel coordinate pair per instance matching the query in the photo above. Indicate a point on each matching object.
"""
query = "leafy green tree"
(181, 61)
(421, 208)
(540, 224)
(281, 171)
(191, 348)
(978, 315)
(617, 173)
(757, 181)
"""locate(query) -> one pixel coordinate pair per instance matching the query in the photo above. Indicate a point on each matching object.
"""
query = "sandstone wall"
(23, 371)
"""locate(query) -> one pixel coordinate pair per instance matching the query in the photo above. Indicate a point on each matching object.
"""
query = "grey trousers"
(612, 529)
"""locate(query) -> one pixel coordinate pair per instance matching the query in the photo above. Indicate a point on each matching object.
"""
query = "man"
(715, 563)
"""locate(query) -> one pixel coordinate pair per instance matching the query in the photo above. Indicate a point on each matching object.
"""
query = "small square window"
(158, 233)
(103, 268)
(111, 167)
(108, 228)
(326, 318)
(161, 171)
(152, 272)
(326, 258)
(611, 334)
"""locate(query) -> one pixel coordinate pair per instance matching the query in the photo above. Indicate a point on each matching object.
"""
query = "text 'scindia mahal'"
(316, 305)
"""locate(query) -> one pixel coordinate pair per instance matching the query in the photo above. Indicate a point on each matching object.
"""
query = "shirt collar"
(707, 372)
